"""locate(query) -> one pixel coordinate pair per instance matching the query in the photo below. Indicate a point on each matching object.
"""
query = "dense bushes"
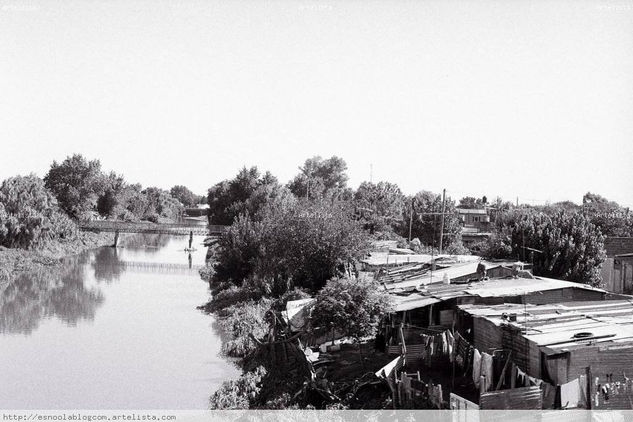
(29, 214)
(352, 307)
(301, 244)
(238, 394)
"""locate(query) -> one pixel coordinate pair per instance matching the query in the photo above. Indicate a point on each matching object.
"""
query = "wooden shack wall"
(602, 361)
(519, 346)
(486, 335)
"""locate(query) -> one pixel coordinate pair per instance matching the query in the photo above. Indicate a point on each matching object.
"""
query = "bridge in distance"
(177, 229)
(172, 228)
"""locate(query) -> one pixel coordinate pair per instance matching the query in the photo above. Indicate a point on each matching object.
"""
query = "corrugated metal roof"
(412, 301)
(506, 287)
(554, 326)
(453, 271)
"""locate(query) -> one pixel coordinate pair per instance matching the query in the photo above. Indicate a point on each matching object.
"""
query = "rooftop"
(471, 211)
(565, 326)
(454, 267)
(502, 287)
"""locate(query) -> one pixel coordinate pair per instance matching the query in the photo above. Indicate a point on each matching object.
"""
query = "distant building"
(475, 225)
(617, 270)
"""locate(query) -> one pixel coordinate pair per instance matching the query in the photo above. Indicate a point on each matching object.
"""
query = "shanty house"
(559, 343)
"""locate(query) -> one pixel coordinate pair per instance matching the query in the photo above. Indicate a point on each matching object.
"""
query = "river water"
(112, 329)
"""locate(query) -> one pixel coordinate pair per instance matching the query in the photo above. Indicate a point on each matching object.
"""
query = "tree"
(569, 246)
(161, 204)
(379, 206)
(320, 178)
(240, 250)
(470, 202)
(352, 307)
(427, 208)
(77, 184)
(184, 195)
(308, 243)
(608, 216)
(110, 199)
(295, 244)
(29, 214)
(247, 193)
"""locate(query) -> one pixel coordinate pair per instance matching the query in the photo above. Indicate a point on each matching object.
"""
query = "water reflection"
(56, 292)
(107, 265)
(147, 333)
(149, 242)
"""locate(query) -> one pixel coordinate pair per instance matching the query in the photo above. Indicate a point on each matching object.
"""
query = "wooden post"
(116, 239)
(588, 372)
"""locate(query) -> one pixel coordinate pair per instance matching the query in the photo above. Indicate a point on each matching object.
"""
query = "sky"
(527, 99)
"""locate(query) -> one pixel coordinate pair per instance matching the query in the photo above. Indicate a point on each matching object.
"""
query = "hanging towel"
(570, 394)
(486, 370)
(476, 367)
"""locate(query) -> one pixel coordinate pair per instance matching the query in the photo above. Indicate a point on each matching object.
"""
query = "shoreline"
(14, 261)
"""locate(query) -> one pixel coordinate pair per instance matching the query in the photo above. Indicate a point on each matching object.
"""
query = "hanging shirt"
(570, 394)
(476, 367)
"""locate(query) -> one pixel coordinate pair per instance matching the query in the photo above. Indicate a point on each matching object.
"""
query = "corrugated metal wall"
(514, 399)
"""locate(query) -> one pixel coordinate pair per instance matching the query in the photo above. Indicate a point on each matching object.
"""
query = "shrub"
(29, 215)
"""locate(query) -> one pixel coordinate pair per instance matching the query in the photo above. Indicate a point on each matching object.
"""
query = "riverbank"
(15, 261)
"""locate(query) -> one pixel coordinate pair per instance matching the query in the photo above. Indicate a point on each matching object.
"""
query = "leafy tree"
(308, 243)
(570, 246)
(110, 199)
(470, 202)
(160, 204)
(184, 195)
(300, 244)
(240, 250)
(379, 206)
(29, 215)
(320, 178)
(426, 222)
(247, 193)
(77, 184)
(352, 307)
(608, 216)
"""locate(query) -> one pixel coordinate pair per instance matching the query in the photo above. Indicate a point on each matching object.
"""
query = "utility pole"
(442, 224)
(411, 217)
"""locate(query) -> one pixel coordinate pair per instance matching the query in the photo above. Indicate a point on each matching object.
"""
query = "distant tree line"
(34, 210)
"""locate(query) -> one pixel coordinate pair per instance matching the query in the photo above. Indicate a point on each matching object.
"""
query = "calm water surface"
(106, 333)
